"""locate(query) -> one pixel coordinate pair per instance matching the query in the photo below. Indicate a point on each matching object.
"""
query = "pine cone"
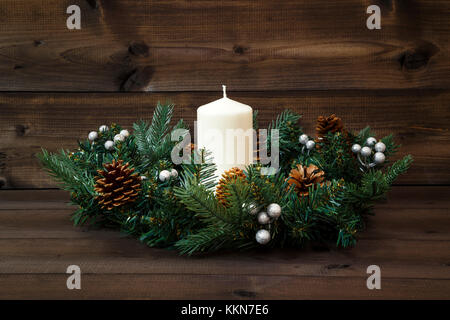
(329, 124)
(228, 177)
(303, 177)
(117, 185)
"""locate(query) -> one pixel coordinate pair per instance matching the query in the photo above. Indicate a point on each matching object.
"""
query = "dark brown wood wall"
(315, 57)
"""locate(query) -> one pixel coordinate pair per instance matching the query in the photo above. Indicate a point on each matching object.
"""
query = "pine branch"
(398, 168)
(164, 147)
(287, 125)
(149, 137)
(288, 131)
(64, 171)
(203, 202)
(209, 239)
(363, 135)
(255, 120)
(160, 123)
(239, 196)
(202, 173)
(143, 141)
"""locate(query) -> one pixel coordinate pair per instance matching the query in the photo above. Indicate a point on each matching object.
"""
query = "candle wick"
(224, 91)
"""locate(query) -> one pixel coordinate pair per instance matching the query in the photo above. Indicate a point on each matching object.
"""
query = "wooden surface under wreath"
(314, 57)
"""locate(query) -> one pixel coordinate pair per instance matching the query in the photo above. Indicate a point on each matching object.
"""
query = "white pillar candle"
(225, 128)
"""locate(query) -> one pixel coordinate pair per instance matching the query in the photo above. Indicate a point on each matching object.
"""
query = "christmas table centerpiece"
(322, 189)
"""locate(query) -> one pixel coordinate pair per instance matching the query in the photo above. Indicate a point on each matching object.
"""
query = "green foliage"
(288, 132)
(64, 170)
(335, 157)
(255, 120)
(150, 136)
(184, 214)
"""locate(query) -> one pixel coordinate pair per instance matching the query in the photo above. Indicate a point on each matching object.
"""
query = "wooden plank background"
(314, 57)
(405, 238)
(54, 121)
(198, 45)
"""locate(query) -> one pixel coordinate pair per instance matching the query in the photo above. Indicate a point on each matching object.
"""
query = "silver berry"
(310, 145)
(380, 147)
(164, 175)
(303, 139)
(274, 210)
(366, 151)
(262, 236)
(103, 128)
(356, 148)
(263, 218)
(119, 138)
(371, 141)
(143, 178)
(174, 173)
(253, 209)
(125, 133)
(379, 158)
(109, 145)
(93, 135)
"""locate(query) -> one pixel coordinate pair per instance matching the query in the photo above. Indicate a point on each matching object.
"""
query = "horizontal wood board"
(31, 121)
(409, 238)
(134, 45)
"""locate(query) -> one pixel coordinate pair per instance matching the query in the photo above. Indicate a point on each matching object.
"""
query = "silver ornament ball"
(371, 141)
(380, 147)
(164, 175)
(174, 173)
(119, 138)
(103, 128)
(109, 145)
(262, 236)
(379, 157)
(303, 139)
(125, 133)
(274, 210)
(310, 144)
(253, 209)
(366, 151)
(356, 148)
(93, 135)
(263, 218)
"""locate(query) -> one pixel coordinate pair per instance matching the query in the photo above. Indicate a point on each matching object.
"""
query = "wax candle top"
(224, 106)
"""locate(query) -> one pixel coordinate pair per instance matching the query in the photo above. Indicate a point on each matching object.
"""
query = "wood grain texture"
(217, 287)
(409, 238)
(419, 119)
(160, 45)
(314, 57)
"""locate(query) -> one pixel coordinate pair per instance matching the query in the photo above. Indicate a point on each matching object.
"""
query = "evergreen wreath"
(323, 191)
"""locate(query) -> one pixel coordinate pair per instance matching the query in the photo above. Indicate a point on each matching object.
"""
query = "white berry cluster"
(109, 145)
(166, 175)
(265, 218)
(306, 142)
(371, 148)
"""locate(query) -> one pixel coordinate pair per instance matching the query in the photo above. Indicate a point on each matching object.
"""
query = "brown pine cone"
(331, 124)
(117, 185)
(303, 177)
(228, 177)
